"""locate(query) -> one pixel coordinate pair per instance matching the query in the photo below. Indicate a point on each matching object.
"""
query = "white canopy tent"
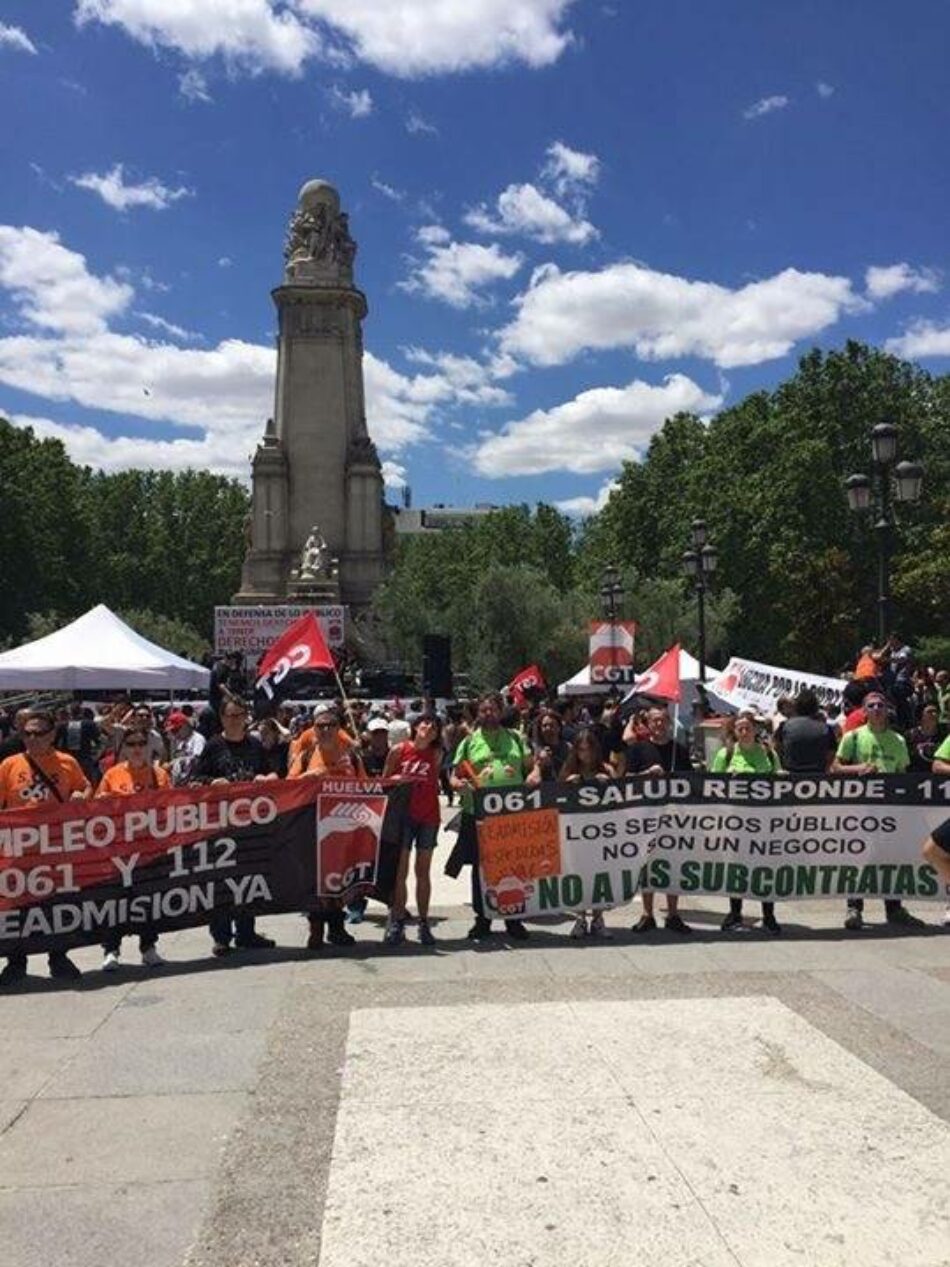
(97, 652)
(580, 683)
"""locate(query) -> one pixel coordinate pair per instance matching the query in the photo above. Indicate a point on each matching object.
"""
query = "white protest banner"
(570, 847)
(254, 629)
(748, 684)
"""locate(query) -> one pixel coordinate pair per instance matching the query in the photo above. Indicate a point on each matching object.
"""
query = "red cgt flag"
(299, 649)
(529, 679)
(662, 678)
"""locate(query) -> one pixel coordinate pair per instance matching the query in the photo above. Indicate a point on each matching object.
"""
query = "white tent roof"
(97, 652)
(580, 683)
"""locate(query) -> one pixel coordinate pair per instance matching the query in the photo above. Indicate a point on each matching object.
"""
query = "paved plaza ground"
(737, 1100)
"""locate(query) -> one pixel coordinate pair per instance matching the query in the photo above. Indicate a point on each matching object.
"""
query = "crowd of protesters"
(895, 717)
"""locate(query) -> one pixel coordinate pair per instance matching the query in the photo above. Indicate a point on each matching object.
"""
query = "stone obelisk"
(317, 522)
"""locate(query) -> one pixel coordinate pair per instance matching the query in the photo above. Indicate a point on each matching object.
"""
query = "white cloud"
(51, 286)
(469, 381)
(401, 37)
(455, 272)
(224, 393)
(765, 105)
(357, 104)
(884, 281)
(525, 209)
(416, 125)
(250, 33)
(225, 261)
(595, 431)
(168, 327)
(570, 170)
(395, 475)
(584, 507)
(388, 191)
(425, 37)
(113, 190)
(921, 339)
(661, 316)
(193, 86)
(16, 38)
(824, 90)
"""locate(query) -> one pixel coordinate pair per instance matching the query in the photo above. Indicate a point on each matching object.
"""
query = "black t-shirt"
(79, 737)
(805, 744)
(10, 747)
(372, 762)
(276, 760)
(645, 753)
(238, 762)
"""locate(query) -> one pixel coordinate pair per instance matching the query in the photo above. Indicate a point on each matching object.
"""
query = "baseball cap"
(377, 723)
(175, 720)
(323, 710)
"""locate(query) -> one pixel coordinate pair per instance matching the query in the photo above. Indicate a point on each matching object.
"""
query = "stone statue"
(316, 233)
(315, 559)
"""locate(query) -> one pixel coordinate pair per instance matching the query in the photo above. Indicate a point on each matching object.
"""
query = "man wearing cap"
(874, 749)
(185, 746)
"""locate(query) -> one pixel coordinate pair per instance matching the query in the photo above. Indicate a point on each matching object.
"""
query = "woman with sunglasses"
(742, 753)
(420, 759)
(38, 777)
(133, 772)
(585, 762)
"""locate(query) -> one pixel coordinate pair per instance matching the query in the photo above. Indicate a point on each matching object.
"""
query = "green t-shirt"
(498, 757)
(754, 760)
(943, 752)
(886, 749)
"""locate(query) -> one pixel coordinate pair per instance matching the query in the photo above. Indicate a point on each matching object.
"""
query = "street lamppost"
(900, 480)
(699, 565)
(611, 592)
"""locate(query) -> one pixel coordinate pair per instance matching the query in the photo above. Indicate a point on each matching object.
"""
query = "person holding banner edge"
(490, 756)
(874, 749)
(29, 780)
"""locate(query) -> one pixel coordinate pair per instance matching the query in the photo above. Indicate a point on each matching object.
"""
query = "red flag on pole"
(662, 678)
(299, 649)
(529, 679)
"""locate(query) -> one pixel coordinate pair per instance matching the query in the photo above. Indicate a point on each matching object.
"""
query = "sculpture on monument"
(316, 464)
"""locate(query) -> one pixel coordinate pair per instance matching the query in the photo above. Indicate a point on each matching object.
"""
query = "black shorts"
(941, 835)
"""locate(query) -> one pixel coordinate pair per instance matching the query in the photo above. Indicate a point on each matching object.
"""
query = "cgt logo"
(509, 897)
(348, 832)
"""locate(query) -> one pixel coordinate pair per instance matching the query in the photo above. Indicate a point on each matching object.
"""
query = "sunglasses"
(135, 743)
(325, 725)
(37, 734)
(875, 708)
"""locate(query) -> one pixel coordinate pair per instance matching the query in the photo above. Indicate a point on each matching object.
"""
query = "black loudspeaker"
(437, 666)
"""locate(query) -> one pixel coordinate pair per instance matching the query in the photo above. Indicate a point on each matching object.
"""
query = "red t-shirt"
(424, 797)
(857, 717)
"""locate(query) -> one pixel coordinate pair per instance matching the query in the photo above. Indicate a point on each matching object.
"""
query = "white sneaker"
(111, 962)
(151, 958)
(598, 928)
(579, 930)
(946, 916)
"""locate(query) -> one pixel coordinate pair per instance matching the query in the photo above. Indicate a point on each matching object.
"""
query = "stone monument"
(317, 522)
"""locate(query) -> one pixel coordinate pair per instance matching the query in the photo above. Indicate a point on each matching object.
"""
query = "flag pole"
(354, 730)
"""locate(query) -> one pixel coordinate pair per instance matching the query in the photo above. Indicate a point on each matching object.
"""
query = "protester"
(418, 759)
(14, 741)
(140, 717)
(234, 756)
(653, 758)
(875, 748)
(185, 746)
(80, 737)
(331, 755)
(585, 760)
(275, 743)
(489, 757)
(376, 748)
(941, 761)
(550, 748)
(742, 753)
(936, 851)
(806, 744)
(30, 780)
(133, 772)
(925, 738)
(453, 732)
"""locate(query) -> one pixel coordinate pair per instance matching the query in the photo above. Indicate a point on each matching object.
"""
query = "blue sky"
(573, 218)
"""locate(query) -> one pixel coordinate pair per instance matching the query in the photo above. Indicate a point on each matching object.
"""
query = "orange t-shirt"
(866, 667)
(122, 780)
(343, 762)
(22, 788)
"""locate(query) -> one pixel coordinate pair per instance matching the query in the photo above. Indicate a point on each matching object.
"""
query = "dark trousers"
(891, 905)
(220, 927)
(18, 958)
(477, 906)
(735, 907)
(147, 939)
